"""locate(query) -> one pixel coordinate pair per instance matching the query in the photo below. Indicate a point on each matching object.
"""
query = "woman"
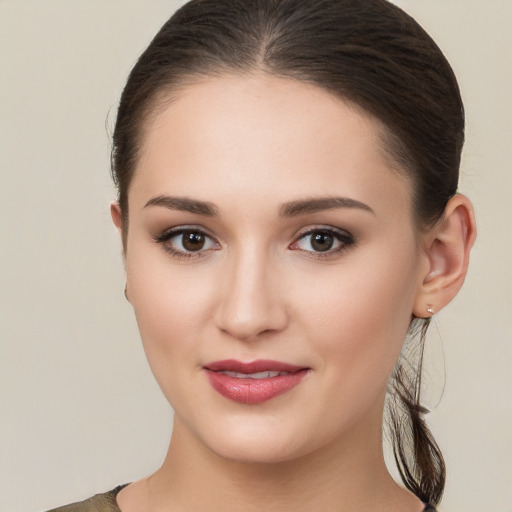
(287, 174)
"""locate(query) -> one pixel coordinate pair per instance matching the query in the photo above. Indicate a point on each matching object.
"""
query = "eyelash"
(344, 238)
(176, 253)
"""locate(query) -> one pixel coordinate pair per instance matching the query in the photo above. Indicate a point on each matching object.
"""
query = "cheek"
(359, 314)
(171, 306)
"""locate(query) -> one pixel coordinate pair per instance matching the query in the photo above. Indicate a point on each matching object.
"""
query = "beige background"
(79, 409)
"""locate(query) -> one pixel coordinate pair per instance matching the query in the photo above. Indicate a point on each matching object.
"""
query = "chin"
(256, 451)
(263, 440)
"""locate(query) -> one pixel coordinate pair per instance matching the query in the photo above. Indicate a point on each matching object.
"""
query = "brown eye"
(322, 241)
(184, 242)
(193, 241)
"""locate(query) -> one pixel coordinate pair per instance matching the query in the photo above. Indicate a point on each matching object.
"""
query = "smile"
(255, 382)
(258, 375)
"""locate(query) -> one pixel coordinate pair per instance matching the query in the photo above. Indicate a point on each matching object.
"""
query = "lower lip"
(253, 391)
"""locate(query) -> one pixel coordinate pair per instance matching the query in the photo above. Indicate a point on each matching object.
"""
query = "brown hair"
(368, 52)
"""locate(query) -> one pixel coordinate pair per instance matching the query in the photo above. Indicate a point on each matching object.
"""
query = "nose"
(252, 302)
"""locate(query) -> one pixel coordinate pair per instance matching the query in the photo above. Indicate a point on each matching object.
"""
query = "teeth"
(258, 375)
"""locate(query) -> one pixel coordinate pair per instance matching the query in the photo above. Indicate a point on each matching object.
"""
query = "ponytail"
(417, 455)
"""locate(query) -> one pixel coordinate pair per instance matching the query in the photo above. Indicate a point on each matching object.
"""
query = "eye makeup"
(323, 242)
(187, 242)
(193, 242)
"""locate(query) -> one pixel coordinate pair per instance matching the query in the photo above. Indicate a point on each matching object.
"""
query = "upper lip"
(260, 365)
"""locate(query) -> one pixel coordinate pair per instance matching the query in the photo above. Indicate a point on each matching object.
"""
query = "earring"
(126, 292)
(430, 310)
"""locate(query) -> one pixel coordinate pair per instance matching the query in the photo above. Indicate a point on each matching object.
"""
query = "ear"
(115, 212)
(446, 248)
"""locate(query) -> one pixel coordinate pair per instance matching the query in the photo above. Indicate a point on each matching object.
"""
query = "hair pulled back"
(368, 52)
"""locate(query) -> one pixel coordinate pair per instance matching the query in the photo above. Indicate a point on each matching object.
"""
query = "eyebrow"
(295, 208)
(184, 204)
(290, 209)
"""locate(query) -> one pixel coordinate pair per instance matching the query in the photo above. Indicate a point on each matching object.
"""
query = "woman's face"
(268, 227)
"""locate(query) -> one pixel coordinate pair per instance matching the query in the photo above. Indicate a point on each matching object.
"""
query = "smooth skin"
(237, 165)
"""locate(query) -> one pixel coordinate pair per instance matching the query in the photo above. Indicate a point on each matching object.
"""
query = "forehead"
(262, 135)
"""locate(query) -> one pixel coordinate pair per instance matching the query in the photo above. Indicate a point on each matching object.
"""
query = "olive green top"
(107, 503)
(99, 503)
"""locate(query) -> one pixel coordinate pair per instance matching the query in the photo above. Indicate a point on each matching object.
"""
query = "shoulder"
(105, 502)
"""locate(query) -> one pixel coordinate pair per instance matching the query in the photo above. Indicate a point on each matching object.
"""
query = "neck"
(346, 475)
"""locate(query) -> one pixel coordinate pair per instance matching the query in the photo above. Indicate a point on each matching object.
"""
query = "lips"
(255, 382)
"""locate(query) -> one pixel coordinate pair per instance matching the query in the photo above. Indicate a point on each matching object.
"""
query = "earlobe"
(446, 249)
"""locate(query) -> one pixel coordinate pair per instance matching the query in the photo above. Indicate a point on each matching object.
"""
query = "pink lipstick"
(255, 382)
